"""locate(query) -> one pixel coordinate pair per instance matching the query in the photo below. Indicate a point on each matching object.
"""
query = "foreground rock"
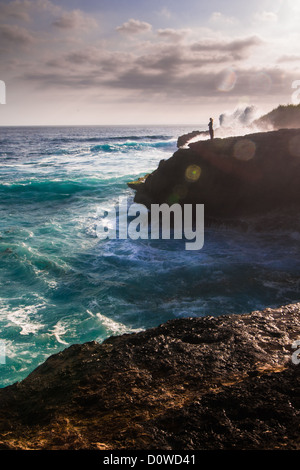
(236, 176)
(195, 383)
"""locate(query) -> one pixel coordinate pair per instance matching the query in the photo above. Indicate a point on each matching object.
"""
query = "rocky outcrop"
(186, 138)
(284, 116)
(223, 382)
(235, 176)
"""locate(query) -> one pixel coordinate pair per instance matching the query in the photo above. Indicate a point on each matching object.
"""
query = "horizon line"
(98, 125)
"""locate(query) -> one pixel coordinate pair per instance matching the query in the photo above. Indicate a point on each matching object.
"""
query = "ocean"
(60, 284)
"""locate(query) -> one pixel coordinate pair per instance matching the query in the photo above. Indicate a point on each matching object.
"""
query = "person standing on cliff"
(210, 127)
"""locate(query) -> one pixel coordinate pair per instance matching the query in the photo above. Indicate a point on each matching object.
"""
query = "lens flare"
(244, 150)
(192, 173)
(228, 80)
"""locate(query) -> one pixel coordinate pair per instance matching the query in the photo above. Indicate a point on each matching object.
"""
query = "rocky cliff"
(284, 116)
(223, 382)
(235, 176)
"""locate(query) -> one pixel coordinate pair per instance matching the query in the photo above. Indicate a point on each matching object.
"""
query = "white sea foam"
(59, 330)
(114, 328)
(25, 317)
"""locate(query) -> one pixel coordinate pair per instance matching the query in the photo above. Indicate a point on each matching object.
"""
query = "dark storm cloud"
(133, 27)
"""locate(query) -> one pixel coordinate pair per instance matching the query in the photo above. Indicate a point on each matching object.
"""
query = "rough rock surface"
(236, 176)
(223, 382)
(284, 116)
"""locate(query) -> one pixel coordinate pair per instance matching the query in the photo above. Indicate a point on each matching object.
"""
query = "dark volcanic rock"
(284, 116)
(236, 176)
(195, 383)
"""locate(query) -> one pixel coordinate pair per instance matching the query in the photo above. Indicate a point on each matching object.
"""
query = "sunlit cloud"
(171, 34)
(266, 16)
(133, 27)
(16, 10)
(165, 13)
(237, 48)
(219, 18)
(160, 56)
(289, 58)
(25, 10)
(75, 19)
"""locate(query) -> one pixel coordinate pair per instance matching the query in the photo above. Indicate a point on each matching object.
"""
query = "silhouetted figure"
(210, 127)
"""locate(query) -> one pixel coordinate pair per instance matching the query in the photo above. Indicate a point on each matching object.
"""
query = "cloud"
(15, 10)
(25, 9)
(174, 72)
(169, 64)
(218, 18)
(204, 83)
(172, 34)
(289, 58)
(89, 61)
(175, 57)
(13, 35)
(164, 13)
(237, 48)
(133, 27)
(266, 16)
(183, 69)
(75, 19)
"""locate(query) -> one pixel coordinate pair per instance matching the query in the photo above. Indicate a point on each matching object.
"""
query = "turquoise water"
(60, 284)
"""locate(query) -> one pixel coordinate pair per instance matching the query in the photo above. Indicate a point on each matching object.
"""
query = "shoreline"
(194, 383)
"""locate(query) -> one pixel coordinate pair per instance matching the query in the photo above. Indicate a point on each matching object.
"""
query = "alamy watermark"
(296, 354)
(2, 352)
(2, 92)
(161, 221)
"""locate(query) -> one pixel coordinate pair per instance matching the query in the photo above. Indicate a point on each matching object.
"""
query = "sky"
(141, 62)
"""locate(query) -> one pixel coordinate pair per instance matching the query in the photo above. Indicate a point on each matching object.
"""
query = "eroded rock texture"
(223, 382)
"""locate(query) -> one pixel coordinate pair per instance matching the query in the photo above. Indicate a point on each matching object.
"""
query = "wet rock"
(194, 383)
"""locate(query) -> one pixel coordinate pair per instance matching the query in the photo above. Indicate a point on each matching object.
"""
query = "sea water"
(60, 284)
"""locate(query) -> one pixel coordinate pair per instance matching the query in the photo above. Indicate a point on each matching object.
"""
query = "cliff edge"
(234, 176)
